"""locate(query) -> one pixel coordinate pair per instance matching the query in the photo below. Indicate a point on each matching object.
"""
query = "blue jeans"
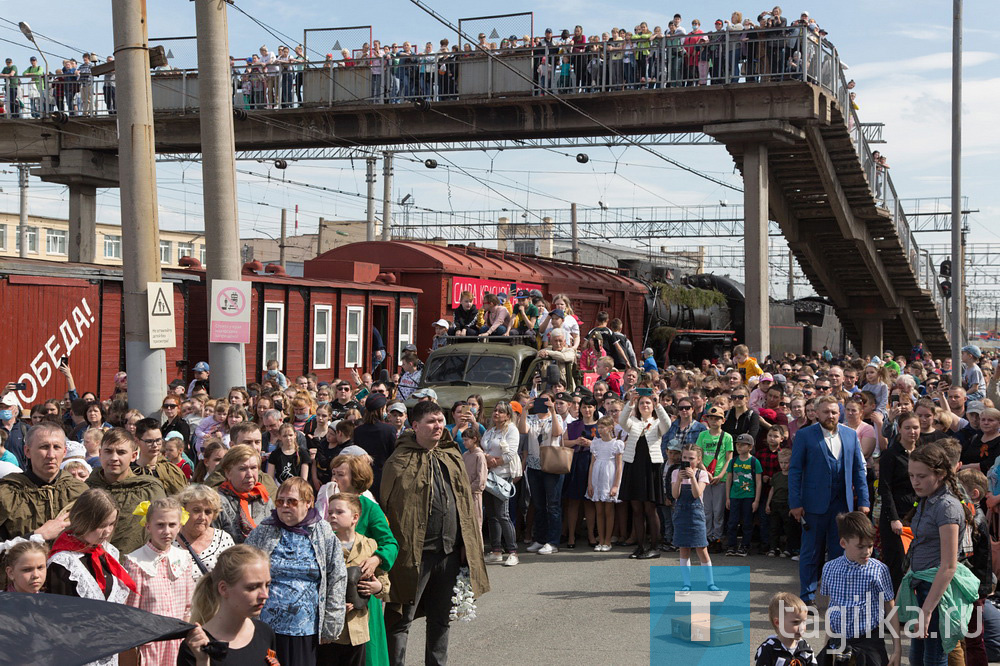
(927, 651)
(740, 510)
(821, 535)
(546, 497)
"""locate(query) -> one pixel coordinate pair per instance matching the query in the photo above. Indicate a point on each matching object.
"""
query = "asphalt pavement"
(580, 607)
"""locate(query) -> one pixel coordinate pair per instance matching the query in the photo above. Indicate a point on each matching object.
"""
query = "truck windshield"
(478, 369)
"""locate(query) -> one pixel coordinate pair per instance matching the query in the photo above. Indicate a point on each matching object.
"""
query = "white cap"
(443, 323)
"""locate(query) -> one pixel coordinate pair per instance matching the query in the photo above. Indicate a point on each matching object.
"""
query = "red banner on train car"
(478, 288)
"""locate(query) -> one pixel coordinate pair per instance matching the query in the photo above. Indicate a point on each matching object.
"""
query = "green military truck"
(495, 369)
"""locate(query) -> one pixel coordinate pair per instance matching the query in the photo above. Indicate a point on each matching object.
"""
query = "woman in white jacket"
(645, 423)
(500, 444)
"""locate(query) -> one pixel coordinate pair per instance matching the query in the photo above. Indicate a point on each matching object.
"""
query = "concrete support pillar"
(871, 337)
(757, 319)
(83, 224)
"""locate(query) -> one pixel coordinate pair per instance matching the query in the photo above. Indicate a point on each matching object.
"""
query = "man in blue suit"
(826, 474)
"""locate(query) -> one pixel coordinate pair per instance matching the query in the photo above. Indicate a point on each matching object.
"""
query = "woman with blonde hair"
(203, 543)
(226, 607)
(244, 500)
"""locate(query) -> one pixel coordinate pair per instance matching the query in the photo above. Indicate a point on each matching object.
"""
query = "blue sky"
(899, 53)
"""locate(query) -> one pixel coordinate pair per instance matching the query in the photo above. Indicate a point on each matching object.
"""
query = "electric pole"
(218, 168)
(370, 179)
(147, 368)
(387, 196)
(284, 237)
(22, 229)
(957, 268)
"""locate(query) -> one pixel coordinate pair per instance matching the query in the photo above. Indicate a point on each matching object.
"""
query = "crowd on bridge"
(766, 48)
(302, 520)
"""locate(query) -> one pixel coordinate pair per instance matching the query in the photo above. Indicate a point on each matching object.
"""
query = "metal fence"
(496, 30)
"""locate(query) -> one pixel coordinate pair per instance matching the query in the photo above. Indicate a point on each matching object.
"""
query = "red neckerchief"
(97, 554)
(258, 491)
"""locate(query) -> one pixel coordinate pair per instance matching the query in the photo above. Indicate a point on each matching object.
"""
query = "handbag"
(556, 459)
(499, 487)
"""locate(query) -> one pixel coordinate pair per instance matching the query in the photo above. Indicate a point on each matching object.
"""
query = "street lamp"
(26, 31)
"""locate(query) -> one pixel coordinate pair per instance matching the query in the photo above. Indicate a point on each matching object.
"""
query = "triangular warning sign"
(160, 306)
(170, 54)
(337, 46)
(494, 34)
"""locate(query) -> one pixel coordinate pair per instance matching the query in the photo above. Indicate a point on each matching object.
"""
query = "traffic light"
(946, 288)
(945, 269)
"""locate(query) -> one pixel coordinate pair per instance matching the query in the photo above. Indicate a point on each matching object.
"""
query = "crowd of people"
(768, 47)
(312, 519)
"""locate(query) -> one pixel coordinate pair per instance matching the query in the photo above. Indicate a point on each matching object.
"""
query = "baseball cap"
(201, 366)
(648, 351)
(548, 31)
(975, 407)
(780, 379)
(564, 396)
(715, 411)
(535, 293)
(410, 348)
(374, 402)
(523, 293)
(502, 297)
(426, 393)
(443, 323)
(516, 406)
(766, 377)
(176, 383)
(173, 434)
(397, 407)
(558, 313)
(745, 438)
(973, 350)
(8, 400)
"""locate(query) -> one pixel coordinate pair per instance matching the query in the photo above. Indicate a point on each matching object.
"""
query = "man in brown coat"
(428, 503)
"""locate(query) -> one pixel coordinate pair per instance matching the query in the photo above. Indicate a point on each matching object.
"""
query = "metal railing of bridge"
(732, 57)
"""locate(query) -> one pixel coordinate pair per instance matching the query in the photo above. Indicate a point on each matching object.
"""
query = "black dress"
(641, 478)
(254, 653)
(575, 485)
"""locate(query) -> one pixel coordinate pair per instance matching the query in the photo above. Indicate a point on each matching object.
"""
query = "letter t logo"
(701, 611)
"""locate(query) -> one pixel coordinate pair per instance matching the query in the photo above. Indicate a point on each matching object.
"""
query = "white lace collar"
(147, 558)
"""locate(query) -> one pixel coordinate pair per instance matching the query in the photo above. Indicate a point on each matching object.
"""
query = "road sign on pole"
(160, 298)
(230, 321)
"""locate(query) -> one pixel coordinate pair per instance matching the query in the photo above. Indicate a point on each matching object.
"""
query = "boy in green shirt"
(716, 450)
(743, 495)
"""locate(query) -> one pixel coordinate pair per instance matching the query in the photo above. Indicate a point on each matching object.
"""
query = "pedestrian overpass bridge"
(804, 158)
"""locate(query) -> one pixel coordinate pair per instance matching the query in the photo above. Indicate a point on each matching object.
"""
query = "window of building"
(355, 345)
(322, 315)
(274, 330)
(55, 241)
(32, 239)
(405, 329)
(112, 247)
(3, 236)
(166, 248)
(201, 257)
(184, 250)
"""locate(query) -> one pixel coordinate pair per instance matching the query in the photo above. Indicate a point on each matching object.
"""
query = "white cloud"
(930, 62)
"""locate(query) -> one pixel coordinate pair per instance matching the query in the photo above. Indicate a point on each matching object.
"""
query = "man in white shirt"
(272, 76)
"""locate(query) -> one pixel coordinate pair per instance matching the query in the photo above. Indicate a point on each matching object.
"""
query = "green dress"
(374, 525)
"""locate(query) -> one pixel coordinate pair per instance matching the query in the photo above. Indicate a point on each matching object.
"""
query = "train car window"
(443, 369)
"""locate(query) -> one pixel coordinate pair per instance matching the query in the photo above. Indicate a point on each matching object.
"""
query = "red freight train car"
(321, 324)
(443, 272)
(75, 310)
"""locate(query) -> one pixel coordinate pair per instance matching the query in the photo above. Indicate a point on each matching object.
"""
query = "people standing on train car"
(440, 338)
(496, 318)
(525, 314)
(201, 371)
(560, 303)
(464, 316)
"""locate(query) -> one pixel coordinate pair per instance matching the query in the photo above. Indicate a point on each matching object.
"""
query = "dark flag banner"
(46, 629)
